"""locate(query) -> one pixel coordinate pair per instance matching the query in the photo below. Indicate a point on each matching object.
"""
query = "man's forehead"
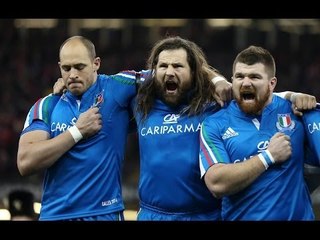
(173, 56)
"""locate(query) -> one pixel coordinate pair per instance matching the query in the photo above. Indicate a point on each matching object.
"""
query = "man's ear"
(96, 64)
(273, 82)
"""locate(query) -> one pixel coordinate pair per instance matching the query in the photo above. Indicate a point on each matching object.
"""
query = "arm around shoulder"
(300, 101)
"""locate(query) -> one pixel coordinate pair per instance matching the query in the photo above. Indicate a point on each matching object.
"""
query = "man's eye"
(79, 67)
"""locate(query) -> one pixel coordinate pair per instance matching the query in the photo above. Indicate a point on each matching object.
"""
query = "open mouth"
(171, 87)
(248, 97)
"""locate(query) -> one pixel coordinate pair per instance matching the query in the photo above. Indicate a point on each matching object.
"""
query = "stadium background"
(29, 55)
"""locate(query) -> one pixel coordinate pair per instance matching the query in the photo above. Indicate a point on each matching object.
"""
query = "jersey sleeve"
(281, 94)
(126, 84)
(37, 125)
(212, 148)
(132, 123)
(41, 111)
(311, 121)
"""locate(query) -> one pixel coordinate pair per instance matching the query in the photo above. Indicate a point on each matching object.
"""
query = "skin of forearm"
(288, 95)
(35, 156)
(227, 179)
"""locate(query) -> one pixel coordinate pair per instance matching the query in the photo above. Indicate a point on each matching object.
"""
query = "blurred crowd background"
(29, 55)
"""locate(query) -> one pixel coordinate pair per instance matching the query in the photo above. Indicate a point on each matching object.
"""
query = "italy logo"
(98, 100)
(285, 123)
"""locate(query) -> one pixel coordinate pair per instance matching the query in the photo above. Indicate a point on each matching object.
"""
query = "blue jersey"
(311, 121)
(85, 181)
(231, 136)
(170, 181)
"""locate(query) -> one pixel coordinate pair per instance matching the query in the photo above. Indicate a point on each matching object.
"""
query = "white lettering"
(58, 127)
(312, 127)
(172, 129)
(109, 202)
(61, 127)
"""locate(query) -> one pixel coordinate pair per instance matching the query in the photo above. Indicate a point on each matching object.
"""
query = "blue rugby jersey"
(170, 180)
(231, 136)
(311, 121)
(85, 181)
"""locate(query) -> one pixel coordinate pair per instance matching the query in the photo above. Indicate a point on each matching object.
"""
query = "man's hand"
(280, 147)
(223, 92)
(89, 122)
(302, 102)
(59, 87)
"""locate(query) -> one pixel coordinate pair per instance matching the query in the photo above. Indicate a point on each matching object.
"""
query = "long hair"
(202, 92)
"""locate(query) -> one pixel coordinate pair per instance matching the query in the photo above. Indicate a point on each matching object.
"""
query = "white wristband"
(266, 158)
(217, 79)
(269, 155)
(75, 133)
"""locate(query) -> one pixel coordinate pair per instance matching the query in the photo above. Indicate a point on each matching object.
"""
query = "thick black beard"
(183, 98)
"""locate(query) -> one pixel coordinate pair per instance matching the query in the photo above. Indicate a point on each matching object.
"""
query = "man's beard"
(173, 100)
(253, 108)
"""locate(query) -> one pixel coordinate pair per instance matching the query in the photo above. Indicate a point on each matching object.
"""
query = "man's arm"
(227, 179)
(300, 101)
(36, 151)
(223, 88)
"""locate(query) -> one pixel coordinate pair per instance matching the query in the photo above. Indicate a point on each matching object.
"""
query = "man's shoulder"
(216, 118)
(124, 77)
(49, 100)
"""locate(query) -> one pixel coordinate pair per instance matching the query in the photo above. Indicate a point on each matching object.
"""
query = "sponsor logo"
(261, 146)
(229, 133)
(313, 127)
(171, 118)
(170, 126)
(61, 127)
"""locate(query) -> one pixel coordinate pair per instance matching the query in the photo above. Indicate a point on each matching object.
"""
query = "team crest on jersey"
(285, 122)
(98, 100)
